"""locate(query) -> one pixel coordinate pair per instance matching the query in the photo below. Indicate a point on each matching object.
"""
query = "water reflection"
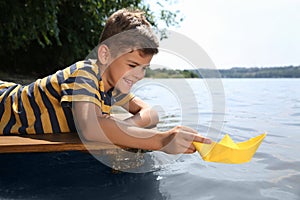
(70, 175)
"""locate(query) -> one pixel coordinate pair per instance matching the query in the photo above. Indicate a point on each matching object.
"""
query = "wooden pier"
(49, 143)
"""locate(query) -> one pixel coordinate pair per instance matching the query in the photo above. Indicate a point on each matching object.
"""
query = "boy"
(85, 91)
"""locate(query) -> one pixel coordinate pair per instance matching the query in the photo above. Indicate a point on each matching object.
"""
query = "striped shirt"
(44, 106)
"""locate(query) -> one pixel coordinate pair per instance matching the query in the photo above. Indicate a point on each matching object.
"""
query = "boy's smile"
(129, 82)
(124, 71)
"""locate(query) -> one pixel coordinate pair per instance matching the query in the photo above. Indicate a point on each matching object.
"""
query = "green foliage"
(169, 73)
(22, 22)
(41, 36)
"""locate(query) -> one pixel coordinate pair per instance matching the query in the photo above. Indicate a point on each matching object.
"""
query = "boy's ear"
(103, 54)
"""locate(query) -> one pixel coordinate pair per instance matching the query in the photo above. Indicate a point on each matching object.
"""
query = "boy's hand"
(143, 115)
(179, 140)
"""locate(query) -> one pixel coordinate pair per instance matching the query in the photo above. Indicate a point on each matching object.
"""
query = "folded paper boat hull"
(226, 151)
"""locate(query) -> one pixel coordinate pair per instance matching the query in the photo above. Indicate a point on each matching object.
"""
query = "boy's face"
(127, 69)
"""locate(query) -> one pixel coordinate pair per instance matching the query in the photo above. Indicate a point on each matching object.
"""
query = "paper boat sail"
(227, 151)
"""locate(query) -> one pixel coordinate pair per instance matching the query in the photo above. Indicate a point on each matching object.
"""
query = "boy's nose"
(139, 73)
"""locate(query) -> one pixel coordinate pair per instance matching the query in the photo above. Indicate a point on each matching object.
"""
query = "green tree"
(41, 36)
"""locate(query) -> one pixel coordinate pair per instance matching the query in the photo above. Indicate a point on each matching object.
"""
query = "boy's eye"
(133, 66)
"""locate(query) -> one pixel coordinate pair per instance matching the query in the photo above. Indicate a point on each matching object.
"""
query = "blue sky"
(241, 33)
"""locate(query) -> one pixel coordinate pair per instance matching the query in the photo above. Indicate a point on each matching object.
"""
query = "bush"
(41, 36)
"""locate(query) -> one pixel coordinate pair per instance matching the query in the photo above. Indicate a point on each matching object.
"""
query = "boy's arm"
(143, 114)
(93, 126)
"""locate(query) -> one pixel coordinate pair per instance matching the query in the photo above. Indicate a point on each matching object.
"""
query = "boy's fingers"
(188, 129)
(201, 139)
(190, 151)
(197, 137)
(192, 148)
(189, 136)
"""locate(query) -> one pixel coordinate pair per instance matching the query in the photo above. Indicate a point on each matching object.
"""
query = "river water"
(243, 108)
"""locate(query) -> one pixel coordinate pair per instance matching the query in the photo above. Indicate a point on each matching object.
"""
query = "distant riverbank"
(236, 72)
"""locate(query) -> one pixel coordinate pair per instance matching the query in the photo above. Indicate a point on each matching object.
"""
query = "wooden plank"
(49, 143)
(55, 142)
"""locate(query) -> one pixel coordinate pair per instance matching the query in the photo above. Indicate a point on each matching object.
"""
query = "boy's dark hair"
(128, 29)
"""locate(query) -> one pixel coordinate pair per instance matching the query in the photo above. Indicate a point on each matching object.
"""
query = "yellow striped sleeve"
(76, 87)
(124, 100)
(81, 98)
(54, 84)
(82, 85)
(105, 108)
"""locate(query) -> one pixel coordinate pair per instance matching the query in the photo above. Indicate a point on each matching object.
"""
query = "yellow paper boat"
(227, 151)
